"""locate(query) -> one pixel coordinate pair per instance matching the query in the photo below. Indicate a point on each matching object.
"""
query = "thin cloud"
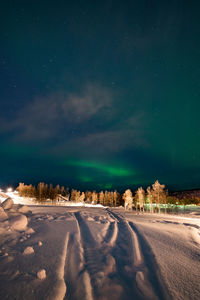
(126, 134)
(52, 120)
(46, 117)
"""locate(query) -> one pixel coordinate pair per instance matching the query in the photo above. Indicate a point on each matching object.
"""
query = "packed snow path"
(96, 253)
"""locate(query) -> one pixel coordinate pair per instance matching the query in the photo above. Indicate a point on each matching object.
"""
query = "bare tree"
(158, 192)
(128, 199)
(94, 197)
(75, 195)
(150, 198)
(140, 195)
(88, 197)
(111, 199)
(116, 198)
(82, 197)
(101, 198)
(106, 198)
(40, 190)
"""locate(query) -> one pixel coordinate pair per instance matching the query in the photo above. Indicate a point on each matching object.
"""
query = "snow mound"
(3, 196)
(12, 210)
(41, 274)
(23, 209)
(7, 204)
(28, 250)
(19, 222)
(3, 214)
(30, 230)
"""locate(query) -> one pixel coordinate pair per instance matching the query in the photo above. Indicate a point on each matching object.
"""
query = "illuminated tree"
(52, 193)
(82, 197)
(67, 193)
(111, 199)
(106, 198)
(140, 196)
(26, 190)
(62, 191)
(101, 198)
(20, 188)
(150, 198)
(77, 198)
(128, 199)
(57, 189)
(158, 192)
(75, 195)
(94, 197)
(32, 191)
(116, 198)
(88, 197)
(164, 199)
(40, 190)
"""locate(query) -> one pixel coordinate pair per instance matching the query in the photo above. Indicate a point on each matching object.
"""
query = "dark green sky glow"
(98, 95)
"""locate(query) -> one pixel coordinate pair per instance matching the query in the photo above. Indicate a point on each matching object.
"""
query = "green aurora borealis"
(100, 95)
(114, 171)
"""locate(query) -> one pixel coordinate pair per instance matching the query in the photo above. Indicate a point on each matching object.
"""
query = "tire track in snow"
(89, 252)
(135, 266)
(85, 231)
(73, 267)
(98, 263)
(123, 252)
(60, 288)
(76, 275)
(153, 270)
(138, 259)
(142, 272)
(119, 267)
(111, 234)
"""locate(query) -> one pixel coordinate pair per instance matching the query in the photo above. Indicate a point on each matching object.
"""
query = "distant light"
(9, 190)
(0, 190)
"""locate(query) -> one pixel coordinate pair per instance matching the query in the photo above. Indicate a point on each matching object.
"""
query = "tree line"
(153, 199)
(42, 191)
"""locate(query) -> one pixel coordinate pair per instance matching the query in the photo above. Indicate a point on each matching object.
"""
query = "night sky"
(100, 94)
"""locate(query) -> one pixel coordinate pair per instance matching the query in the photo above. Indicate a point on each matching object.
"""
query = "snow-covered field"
(49, 252)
